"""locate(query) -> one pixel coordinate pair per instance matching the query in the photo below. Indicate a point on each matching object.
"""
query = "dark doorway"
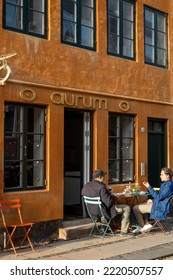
(76, 163)
(156, 150)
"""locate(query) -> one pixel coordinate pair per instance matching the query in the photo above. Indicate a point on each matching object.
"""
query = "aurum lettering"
(60, 98)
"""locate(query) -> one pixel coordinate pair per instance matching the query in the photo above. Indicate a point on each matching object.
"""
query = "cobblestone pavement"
(154, 245)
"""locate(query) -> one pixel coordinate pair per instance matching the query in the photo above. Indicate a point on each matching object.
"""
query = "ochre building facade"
(68, 109)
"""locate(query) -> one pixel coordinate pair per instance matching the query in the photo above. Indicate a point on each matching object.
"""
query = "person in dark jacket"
(159, 206)
(97, 188)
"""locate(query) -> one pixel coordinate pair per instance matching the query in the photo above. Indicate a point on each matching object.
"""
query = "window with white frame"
(27, 17)
(78, 23)
(121, 28)
(121, 148)
(155, 37)
(24, 147)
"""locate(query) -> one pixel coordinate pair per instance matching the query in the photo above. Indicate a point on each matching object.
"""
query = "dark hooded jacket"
(95, 189)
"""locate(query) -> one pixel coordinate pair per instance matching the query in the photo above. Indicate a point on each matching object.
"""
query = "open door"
(77, 154)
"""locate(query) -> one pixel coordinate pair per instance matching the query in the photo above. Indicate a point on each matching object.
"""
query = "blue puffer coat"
(161, 201)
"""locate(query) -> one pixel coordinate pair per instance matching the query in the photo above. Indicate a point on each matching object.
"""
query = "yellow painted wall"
(50, 62)
(48, 66)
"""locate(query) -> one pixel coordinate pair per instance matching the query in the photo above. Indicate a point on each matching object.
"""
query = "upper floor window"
(78, 23)
(155, 37)
(121, 28)
(121, 148)
(27, 17)
(24, 147)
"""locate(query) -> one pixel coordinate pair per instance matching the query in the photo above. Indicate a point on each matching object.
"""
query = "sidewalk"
(142, 247)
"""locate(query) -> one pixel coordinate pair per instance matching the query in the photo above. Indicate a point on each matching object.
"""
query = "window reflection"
(24, 155)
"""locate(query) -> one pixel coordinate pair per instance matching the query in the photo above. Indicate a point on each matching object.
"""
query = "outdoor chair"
(10, 209)
(101, 224)
(157, 224)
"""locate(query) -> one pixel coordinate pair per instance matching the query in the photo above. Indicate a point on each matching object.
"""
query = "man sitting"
(97, 188)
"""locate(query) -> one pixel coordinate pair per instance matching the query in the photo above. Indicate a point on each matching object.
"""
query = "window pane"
(12, 175)
(12, 120)
(149, 36)
(149, 19)
(113, 25)
(69, 10)
(114, 169)
(128, 48)
(14, 16)
(114, 148)
(157, 126)
(127, 126)
(127, 171)
(127, 149)
(37, 5)
(36, 22)
(127, 11)
(35, 174)
(113, 44)
(69, 31)
(87, 36)
(149, 54)
(113, 7)
(128, 29)
(161, 40)
(87, 16)
(15, 2)
(36, 16)
(161, 57)
(161, 23)
(88, 3)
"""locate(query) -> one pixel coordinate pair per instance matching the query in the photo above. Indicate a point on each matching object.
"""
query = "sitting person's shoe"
(102, 229)
(126, 233)
(103, 221)
(146, 228)
(137, 230)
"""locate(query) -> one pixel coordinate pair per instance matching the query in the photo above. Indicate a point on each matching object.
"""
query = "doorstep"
(73, 229)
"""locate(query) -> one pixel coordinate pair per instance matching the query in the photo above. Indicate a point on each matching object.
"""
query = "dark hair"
(167, 171)
(98, 173)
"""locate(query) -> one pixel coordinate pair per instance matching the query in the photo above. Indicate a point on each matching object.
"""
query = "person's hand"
(149, 201)
(146, 184)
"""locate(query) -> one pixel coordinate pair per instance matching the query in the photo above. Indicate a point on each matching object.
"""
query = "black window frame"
(120, 35)
(21, 144)
(155, 30)
(78, 23)
(25, 6)
(116, 153)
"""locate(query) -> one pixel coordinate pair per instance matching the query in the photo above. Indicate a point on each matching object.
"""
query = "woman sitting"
(159, 206)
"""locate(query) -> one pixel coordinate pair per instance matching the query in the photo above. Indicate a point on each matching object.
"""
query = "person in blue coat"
(159, 206)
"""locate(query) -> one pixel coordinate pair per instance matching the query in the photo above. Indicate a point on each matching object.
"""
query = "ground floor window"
(24, 147)
(121, 148)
